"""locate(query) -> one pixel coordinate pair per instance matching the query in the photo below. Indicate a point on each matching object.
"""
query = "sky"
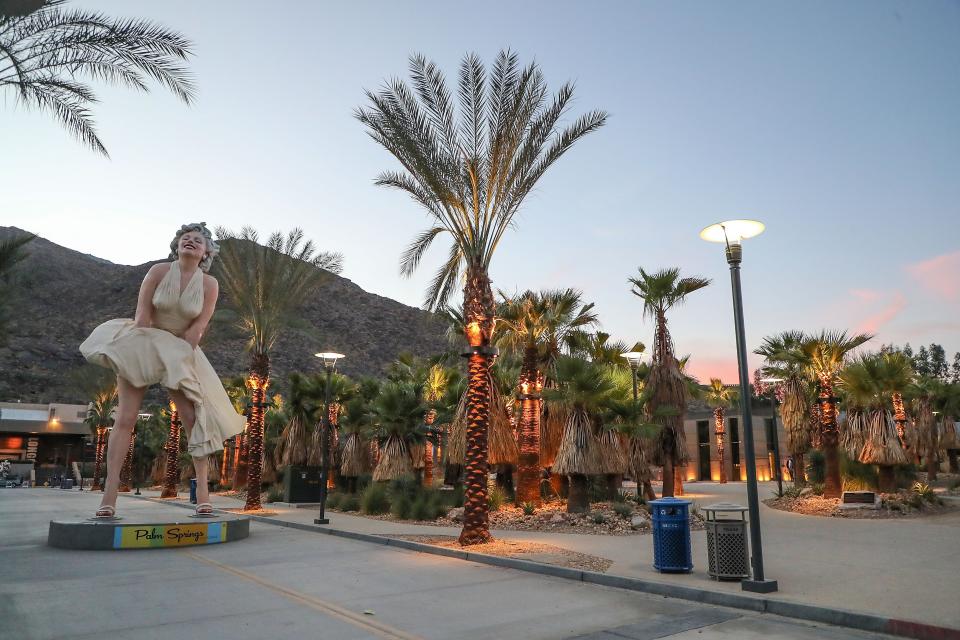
(836, 124)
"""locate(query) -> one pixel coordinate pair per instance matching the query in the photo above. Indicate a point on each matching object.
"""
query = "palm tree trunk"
(578, 499)
(98, 466)
(240, 457)
(678, 479)
(528, 438)
(171, 476)
(799, 469)
(668, 477)
(259, 381)
(225, 464)
(718, 431)
(833, 487)
(478, 312)
(933, 462)
(899, 416)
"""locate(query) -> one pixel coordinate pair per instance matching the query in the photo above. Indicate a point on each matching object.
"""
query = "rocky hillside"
(62, 294)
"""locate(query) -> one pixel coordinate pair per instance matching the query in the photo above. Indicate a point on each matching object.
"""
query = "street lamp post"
(329, 363)
(731, 233)
(634, 358)
(776, 436)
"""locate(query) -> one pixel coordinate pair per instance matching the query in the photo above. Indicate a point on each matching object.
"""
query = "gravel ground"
(534, 551)
(893, 505)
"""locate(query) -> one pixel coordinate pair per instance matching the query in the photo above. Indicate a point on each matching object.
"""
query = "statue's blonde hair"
(213, 249)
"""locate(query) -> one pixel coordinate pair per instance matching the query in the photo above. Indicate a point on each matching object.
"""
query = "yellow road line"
(356, 619)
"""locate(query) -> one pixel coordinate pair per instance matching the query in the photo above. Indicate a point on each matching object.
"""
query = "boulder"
(456, 514)
(639, 521)
(806, 491)
(557, 518)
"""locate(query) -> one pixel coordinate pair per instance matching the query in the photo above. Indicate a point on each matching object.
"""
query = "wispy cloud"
(939, 275)
(873, 322)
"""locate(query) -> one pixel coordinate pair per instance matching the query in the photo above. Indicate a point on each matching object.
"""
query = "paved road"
(284, 583)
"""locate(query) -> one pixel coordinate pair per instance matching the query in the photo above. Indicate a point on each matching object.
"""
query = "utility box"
(301, 484)
(727, 555)
(671, 535)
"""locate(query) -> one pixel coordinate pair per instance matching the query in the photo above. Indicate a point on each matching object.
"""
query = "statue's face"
(192, 243)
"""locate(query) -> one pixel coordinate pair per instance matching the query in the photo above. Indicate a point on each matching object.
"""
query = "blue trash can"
(193, 491)
(671, 535)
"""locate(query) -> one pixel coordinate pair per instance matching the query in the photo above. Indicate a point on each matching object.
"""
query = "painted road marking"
(358, 620)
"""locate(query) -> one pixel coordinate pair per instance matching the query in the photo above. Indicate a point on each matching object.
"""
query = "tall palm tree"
(471, 174)
(719, 396)
(823, 357)
(99, 385)
(896, 372)
(265, 285)
(47, 53)
(171, 474)
(795, 407)
(538, 325)
(666, 383)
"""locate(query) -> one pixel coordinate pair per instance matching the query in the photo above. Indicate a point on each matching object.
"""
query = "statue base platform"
(141, 532)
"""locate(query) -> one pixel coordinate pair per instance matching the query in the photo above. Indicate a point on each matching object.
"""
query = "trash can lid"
(670, 501)
(725, 506)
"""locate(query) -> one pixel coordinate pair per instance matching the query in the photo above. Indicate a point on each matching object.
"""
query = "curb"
(806, 612)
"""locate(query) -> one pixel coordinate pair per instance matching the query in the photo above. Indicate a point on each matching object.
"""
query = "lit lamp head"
(633, 357)
(329, 359)
(732, 233)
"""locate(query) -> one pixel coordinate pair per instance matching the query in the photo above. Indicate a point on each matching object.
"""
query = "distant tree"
(908, 350)
(921, 361)
(955, 370)
(938, 363)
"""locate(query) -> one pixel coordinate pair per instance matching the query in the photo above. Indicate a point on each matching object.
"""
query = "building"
(49, 435)
(701, 444)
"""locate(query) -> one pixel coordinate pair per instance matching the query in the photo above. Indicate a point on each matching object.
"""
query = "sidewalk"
(907, 569)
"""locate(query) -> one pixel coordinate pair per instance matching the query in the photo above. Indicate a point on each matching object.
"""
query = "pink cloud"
(872, 323)
(704, 368)
(939, 275)
(867, 295)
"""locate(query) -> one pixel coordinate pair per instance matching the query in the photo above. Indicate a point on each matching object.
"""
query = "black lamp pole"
(758, 584)
(323, 450)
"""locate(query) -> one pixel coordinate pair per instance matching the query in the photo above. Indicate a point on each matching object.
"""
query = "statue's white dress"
(146, 356)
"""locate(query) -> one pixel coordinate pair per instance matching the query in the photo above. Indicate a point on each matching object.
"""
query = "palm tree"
(583, 391)
(666, 383)
(472, 177)
(397, 412)
(357, 426)
(795, 407)
(45, 54)
(719, 396)
(538, 325)
(870, 435)
(171, 475)
(896, 371)
(823, 357)
(100, 386)
(265, 285)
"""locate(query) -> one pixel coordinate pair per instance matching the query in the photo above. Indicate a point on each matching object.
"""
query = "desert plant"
(350, 502)
(375, 499)
(599, 518)
(529, 508)
(818, 488)
(623, 510)
(496, 498)
(400, 506)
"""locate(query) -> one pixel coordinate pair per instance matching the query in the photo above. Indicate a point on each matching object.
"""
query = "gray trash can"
(727, 555)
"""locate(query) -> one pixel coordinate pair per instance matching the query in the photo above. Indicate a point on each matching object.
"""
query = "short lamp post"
(329, 360)
(773, 429)
(732, 233)
(634, 358)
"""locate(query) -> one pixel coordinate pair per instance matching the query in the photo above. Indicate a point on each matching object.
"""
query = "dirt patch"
(533, 551)
(892, 505)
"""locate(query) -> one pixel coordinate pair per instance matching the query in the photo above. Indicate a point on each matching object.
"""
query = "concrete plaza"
(285, 583)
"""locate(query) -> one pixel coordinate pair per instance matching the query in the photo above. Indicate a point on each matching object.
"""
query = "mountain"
(61, 295)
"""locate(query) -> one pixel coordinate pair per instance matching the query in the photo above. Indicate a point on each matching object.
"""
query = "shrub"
(857, 476)
(905, 474)
(456, 496)
(924, 491)
(599, 518)
(375, 499)
(424, 507)
(333, 500)
(622, 497)
(350, 502)
(275, 494)
(623, 510)
(818, 488)
(529, 508)
(816, 468)
(954, 484)
(793, 492)
(406, 486)
(400, 506)
(496, 498)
